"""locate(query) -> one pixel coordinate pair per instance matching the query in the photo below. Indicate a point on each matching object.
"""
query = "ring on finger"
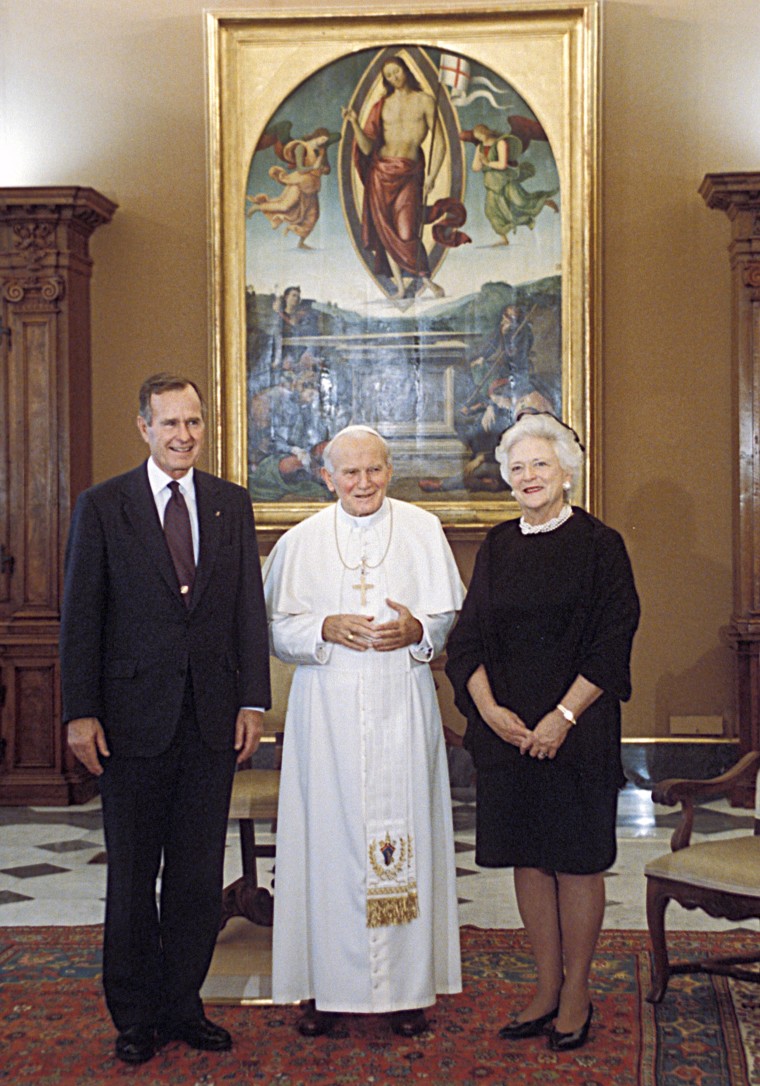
(350, 636)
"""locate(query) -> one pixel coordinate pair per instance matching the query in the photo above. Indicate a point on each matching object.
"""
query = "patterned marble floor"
(52, 864)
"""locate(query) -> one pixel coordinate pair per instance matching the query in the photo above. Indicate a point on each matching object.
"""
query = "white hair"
(544, 425)
(356, 430)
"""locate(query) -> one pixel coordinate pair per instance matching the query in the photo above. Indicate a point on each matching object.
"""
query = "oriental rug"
(54, 1030)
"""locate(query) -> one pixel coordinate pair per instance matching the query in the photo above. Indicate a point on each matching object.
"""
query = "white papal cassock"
(364, 766)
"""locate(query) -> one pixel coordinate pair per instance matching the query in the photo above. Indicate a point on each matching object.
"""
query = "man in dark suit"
(165, 673)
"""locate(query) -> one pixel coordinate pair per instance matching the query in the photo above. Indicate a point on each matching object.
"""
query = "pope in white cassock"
(361, 596)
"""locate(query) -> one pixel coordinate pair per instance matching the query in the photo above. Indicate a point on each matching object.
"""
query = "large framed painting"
(404, 223)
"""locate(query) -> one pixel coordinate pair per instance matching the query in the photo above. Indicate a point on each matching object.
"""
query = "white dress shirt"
(159, 485)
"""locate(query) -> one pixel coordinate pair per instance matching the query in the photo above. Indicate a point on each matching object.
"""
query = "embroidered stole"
(384, 707)
(391, 867)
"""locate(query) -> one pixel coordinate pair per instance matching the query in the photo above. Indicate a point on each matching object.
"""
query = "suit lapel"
(139, 508)
(210, 524)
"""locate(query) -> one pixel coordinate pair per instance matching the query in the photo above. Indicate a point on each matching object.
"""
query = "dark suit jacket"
(128, 640)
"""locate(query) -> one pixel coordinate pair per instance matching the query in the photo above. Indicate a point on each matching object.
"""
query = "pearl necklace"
(537, 529)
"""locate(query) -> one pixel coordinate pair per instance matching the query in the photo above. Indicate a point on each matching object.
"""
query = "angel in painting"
(497, 156)
(305, 164)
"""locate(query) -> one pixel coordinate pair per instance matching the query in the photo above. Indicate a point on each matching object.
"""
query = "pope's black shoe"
(409, 1023)
(136, 1044)
(198, 1033)
(314, 1023)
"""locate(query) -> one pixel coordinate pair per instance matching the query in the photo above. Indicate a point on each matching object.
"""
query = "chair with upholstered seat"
(720, 877)
(255, 794)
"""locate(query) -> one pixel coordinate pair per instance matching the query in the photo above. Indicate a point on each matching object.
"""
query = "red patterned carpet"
(54, 1030)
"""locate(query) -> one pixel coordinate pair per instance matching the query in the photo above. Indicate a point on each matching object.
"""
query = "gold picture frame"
(494, 103)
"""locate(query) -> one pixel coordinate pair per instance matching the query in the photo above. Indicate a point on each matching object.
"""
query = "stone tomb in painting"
(403, 385)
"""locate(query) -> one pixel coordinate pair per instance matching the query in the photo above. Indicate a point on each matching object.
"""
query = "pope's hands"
(352, 631)
(359, 632)
(401, 632)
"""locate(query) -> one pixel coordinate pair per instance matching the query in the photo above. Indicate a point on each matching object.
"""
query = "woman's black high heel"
(516, 1031)
(564, 1042)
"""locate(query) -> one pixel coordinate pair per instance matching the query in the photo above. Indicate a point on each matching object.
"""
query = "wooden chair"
(255, 794)
(720, 877)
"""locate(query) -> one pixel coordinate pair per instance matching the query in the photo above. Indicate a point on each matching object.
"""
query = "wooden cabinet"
(738, 194)
(45, 461)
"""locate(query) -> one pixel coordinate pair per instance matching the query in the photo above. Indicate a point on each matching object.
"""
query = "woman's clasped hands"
(542, 742)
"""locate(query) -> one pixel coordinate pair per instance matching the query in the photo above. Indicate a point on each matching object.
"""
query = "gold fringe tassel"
(395, 910)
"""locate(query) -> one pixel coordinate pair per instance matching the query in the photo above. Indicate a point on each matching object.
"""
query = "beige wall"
(111, 95)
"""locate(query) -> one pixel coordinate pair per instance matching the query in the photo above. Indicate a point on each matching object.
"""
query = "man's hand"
(87, 740)
(249, 728)
(352, 631)
(405, 630)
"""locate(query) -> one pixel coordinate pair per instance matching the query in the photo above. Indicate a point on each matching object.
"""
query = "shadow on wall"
(683, 693)
(691, 669)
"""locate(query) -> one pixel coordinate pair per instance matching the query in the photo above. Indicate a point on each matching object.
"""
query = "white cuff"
(423, 650)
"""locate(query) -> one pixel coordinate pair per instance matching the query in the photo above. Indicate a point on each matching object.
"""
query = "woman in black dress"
(539, 662)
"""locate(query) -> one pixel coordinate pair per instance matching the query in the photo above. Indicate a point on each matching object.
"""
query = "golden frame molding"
(548, 51)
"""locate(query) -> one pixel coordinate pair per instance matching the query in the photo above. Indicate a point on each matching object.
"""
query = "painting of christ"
(407, 231)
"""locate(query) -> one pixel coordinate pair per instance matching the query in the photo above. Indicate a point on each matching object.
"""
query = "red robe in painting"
(392, 215)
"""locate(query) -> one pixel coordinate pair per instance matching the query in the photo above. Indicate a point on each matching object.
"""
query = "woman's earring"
(565, 486)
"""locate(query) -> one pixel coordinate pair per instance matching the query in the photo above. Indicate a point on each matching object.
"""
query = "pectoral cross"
(362, 586)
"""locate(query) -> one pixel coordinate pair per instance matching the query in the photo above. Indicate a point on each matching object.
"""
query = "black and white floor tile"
(53, 864)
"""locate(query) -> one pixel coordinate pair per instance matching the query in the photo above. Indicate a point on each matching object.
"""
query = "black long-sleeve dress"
(542, 609)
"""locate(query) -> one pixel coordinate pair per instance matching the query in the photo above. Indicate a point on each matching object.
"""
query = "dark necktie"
(179, 538)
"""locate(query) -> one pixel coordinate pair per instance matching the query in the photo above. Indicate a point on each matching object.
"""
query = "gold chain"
(363, 563)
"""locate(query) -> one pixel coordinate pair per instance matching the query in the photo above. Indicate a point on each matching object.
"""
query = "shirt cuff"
(423, 650)
(322, 649)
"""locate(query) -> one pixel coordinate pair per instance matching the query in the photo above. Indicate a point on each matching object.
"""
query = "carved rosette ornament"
(738, 195)
(752, 275)
(45, 461)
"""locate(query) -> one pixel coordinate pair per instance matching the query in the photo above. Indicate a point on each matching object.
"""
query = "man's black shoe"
(198, 1033)
(136, 1044)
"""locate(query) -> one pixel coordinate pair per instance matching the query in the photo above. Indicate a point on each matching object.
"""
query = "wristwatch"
(569, 717)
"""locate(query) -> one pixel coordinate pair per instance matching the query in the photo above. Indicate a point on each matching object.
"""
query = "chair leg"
(244, 897)
(727, 967)
(657, 901)
(248, 851)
